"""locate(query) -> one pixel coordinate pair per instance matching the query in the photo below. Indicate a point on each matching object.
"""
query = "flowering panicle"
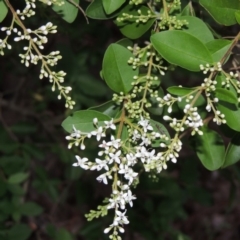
(118, 158)
(36, 39)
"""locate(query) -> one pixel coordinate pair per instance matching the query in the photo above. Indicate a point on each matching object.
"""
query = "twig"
(80, 9)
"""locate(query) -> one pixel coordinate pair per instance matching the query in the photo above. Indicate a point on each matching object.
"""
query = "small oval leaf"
(108, 108)
(182, 49)
(117, 72)
(18, 178)
(226, 95)
(232, 154)
(83, 120)
(3, 10)
(180, 91)
(232, 115)
(197, 28)
(218, 48)
(209, 148)
(67, 11)
(95, 10)
(223, 11)
(111, 6)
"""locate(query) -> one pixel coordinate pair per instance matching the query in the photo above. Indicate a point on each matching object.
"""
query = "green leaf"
(197, 28)
(111, 6)
(232, 115)
(108, 108)
(30, 209)
(18, 178)
(232, 154)
(158, 127)
(218, 48)
(3, 10)
(182, 49)
(19, 232)
(117, 72)
(188, 10)
(209, 148)
(237, 16)
(180, 91)
(125, 42)
(226, 95)
(67, 11)
(63, 234)
(223, 11)
(96, 11)
(83, 120)
(131, 29)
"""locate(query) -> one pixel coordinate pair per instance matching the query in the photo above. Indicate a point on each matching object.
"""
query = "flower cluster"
(36, 39)
(117, 157)
(145, 57)
(140, 18)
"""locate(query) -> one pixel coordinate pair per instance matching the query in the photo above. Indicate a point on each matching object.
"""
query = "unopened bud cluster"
(171, 22)
(140, 18)
(143, 57)
(211, 68)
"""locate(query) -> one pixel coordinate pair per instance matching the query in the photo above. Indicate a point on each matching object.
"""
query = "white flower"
(145, 124)
(99, 133)
(114, 142)
(121, 218)
(100, 164)
(135, 135)
(130, 175)
(129, 197)
(115, 157)
(81, 162)
(102, 178)
(109, 124)
(131, 159)
(76, 133)
(104, 145)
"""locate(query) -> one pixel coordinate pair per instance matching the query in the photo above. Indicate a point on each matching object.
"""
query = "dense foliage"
(170, 85)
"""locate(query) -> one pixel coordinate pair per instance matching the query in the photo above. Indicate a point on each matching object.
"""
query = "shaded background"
(42, 197)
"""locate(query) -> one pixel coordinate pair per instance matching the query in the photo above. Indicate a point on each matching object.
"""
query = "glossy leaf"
(3, 10)
(18, 178)
(232, 115)
(180, 91)
(197, 28)
(188, 10)
(117, 72)
(96, 11)
(232, 154)
(111, 6)
(218, 48)
(210, 149)
(108, 108)
(125, 42)
(132, 29)
(182, 49)
(223, 11)
(226, 95)
(237, 16)
(67, 11)
(83, 120)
